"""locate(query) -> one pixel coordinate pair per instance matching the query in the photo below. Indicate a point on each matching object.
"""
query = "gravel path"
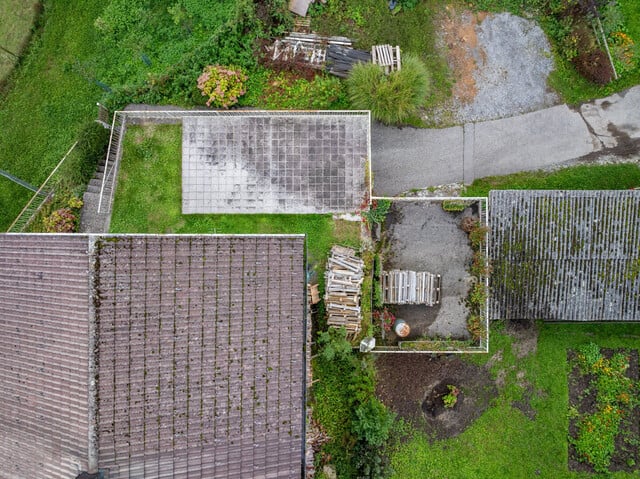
(500, 63)
(511, 77)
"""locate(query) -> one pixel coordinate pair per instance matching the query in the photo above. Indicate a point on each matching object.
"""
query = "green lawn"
(148, 199)
(47, 104)
(503, 442)
(596, 177)
(17, 19)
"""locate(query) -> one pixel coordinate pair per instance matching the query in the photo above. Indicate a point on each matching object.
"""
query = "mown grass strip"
(596, 177)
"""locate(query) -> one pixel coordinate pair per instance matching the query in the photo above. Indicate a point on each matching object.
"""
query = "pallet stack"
(386, 56)
(344, 275)
(410, 287)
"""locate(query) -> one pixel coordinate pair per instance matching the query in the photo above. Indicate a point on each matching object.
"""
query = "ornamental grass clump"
(223, 85)
(393, 98)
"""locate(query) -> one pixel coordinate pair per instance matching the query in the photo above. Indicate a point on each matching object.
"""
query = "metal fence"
(37, 201)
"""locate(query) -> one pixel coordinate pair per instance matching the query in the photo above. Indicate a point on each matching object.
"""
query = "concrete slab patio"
(248, 163)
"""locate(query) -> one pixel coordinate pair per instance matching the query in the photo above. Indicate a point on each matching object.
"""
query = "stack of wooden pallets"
(386, 56)
(344, 275)
(410, 287)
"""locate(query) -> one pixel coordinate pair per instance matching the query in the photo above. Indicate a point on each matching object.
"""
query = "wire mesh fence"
(38, 200)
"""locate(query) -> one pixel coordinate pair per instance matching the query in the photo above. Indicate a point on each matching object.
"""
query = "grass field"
(48, 103)
(17, 18)
(596, 177)
(54, 91)
(503, 442)
(148, 199)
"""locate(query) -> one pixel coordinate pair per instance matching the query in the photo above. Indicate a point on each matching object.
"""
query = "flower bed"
(603, 409)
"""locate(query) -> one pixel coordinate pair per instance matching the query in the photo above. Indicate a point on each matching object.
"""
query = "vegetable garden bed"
(604, 427)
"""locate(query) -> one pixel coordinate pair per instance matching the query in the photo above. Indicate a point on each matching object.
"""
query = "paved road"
(408, 158)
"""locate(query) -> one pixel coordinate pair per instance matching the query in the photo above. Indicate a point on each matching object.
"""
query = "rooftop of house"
(195, 346)
(565, 255)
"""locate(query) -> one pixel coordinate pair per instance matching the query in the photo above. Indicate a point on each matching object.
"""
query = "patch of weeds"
(377, 212)
(616, 397)
(344, 403)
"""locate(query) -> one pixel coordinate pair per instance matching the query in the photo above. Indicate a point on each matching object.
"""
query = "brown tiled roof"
(200, 354)
(43, 355)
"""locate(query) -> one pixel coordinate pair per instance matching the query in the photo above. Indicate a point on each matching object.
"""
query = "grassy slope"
(503, 442)
(17, 19)
(148, 199)
(42, 113)
(598, 177)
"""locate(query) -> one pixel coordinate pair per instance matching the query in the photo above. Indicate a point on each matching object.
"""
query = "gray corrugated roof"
(200, 354)
(43, 355)
(565, 255)
(274, 164)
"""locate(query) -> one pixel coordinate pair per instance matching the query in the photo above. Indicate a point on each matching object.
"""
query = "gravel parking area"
(424, 237)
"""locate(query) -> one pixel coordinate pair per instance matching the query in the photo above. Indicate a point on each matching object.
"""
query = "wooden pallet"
(386, 56)
(344, 276)
(410, 287)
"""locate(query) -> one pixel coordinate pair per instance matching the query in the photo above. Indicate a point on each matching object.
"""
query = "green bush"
(64, 220)
(372, 422)
(393, 98)
(377, 212)
(93, 141)
(344, 404)
(222, 85)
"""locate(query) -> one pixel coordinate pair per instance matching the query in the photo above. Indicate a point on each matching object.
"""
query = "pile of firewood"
(345, 272)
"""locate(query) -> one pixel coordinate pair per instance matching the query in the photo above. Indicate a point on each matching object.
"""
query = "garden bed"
(416, 387)
(604, 427)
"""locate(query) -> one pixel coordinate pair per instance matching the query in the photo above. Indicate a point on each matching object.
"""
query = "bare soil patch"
(413, 385)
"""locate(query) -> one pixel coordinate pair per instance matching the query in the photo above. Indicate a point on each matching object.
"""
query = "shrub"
(393, 98)
(334, 344)
(371, 426)
(222, 85)
(377, 212)
(64, 220)
(476, 328)
(451, 398)
(372, 422)
(594, 66)
(480, 266)
(468, 223)
(478, 236)
(387, 318)
(92, 146)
